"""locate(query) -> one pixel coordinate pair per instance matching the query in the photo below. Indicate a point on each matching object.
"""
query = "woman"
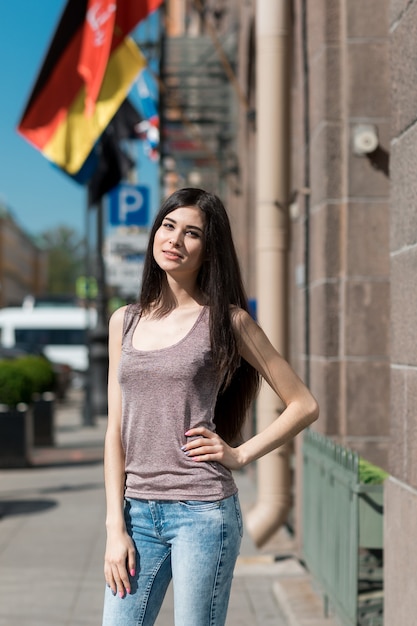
(184, 366)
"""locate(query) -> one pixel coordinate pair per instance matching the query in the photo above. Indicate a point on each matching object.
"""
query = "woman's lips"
(170, 254)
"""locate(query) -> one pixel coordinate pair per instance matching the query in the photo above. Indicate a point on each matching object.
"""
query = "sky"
(39, 196)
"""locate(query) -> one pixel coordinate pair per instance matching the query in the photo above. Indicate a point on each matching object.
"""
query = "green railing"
(340, 516)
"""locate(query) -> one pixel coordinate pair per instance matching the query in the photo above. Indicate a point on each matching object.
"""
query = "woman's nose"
(175, 239)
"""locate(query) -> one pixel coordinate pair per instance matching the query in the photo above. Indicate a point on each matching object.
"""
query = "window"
(50, 336)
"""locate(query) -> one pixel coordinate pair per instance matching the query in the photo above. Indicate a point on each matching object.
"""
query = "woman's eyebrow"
(169, 219)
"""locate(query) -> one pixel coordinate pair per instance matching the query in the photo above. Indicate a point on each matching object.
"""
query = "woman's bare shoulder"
(117, 318)
(241, 318)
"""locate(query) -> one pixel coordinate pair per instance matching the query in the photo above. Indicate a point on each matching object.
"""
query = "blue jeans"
(193, 542)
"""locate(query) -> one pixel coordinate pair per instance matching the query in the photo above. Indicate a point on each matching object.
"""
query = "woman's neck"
(185, 294)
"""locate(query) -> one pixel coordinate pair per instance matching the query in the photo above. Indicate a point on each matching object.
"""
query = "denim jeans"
(193, 542)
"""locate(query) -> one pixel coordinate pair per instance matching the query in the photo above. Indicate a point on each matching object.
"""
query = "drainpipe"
(273, 28)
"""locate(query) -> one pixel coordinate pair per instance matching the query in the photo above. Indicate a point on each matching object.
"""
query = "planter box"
(43, 419)
(341, 516)
(16, 436)
(371, 517)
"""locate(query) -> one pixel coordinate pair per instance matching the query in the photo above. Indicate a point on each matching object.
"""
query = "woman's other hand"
(119, 562)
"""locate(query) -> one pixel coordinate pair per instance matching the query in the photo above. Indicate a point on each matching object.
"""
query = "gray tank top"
(164, 393)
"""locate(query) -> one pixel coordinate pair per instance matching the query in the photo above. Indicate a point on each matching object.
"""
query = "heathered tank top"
(165, 392)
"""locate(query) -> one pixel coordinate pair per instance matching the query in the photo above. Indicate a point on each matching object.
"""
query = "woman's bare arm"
(300, 410)
(120, 552)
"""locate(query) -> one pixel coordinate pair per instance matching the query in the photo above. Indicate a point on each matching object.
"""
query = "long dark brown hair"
(221, 283)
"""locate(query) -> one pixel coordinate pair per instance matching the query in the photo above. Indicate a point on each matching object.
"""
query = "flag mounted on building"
(87, 73)
(111, 162)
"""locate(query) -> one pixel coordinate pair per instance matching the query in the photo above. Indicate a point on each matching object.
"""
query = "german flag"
(88, 70)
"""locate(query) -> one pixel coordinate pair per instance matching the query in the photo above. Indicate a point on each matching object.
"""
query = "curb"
(300, 603)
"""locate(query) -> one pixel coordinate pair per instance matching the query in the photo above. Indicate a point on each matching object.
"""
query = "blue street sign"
(129, 205)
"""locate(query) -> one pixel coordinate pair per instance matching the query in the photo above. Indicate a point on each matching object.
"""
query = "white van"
(60, 333)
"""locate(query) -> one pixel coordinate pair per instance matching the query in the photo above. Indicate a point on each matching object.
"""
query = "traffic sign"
(129, 205)
(125, 275)
(122, 245)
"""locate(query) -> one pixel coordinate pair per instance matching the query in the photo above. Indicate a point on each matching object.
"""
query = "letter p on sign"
(129, 205)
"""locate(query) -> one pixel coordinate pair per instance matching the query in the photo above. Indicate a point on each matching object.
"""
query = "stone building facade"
(340, 242)
(353, 247)
(401, 489)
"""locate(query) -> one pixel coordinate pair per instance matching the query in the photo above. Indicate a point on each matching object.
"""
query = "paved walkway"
(52, 539)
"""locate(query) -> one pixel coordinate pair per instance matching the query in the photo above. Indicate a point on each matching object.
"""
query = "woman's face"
(178, 246)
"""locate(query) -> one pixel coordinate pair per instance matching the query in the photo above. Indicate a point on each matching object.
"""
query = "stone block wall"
(404, 243)
(346, 360)
(401, 489)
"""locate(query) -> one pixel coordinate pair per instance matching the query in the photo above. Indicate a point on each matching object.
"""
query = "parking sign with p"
(129, 205)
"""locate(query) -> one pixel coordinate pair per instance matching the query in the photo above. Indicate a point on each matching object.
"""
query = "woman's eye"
(167, 225)
(193, 233)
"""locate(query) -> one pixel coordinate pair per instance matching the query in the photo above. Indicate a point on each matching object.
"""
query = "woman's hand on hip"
(119, 562)
(208, 446)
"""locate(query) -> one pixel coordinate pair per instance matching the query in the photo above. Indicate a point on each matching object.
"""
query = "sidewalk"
(52, 540)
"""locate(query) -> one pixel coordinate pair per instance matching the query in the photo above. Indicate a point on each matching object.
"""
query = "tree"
(66, 251)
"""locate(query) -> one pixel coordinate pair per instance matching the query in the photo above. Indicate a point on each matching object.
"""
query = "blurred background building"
(22, 262)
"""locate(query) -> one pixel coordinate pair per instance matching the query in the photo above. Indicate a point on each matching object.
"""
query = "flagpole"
(87, 409)
(98, 344)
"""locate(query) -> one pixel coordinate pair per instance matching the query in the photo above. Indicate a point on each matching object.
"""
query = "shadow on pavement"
(9, 508)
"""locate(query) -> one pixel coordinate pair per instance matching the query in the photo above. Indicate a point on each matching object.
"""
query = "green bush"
(15, 384)
(39, 370)
(371, 474)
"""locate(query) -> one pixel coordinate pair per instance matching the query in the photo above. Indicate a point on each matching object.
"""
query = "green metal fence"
(333, 507)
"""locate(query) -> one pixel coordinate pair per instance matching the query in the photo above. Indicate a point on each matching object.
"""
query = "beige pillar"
(273, 162)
